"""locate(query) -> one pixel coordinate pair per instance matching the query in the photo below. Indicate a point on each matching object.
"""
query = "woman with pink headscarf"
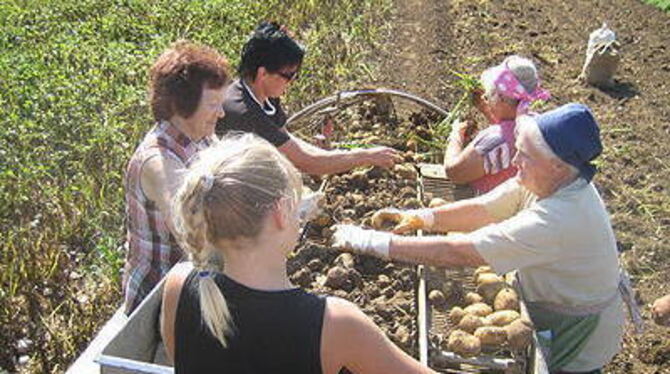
(484, 163)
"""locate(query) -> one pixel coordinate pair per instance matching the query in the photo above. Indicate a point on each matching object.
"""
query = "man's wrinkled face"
(535, 167)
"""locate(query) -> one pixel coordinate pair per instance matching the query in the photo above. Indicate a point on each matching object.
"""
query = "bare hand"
(285, 30)
(463, 129)
(480, 102)
(383, 157)
(478, 99)
(660, 310)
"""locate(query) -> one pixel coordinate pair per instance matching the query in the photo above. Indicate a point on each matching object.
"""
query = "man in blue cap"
(548, 223)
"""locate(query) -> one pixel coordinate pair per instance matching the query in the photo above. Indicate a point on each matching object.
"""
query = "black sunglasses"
(289, 76)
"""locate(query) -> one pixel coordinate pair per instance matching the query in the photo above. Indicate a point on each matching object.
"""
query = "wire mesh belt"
(433, 322)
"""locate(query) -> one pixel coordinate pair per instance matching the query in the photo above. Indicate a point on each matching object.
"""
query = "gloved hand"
(497, 159)
(310, 204)
(357, 239)
(491, 145)
(404, 220)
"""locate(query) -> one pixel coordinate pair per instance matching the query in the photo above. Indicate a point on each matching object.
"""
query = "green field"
(663, 4)
(73, 107)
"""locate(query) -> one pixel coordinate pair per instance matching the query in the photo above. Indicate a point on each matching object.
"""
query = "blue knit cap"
(572, 133)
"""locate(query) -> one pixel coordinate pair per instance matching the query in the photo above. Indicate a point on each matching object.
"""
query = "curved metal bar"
(349, 95)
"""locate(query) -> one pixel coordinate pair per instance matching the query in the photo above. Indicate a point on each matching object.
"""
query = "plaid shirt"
(152, 249)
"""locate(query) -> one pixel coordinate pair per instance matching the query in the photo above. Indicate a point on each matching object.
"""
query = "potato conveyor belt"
(433, 324)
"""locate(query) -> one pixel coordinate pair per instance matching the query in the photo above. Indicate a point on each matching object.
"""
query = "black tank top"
(274, 331)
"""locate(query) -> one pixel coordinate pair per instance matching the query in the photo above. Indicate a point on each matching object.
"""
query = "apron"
(564, 335)
(566, 330)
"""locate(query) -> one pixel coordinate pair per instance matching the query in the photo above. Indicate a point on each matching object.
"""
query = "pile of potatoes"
(490, 320)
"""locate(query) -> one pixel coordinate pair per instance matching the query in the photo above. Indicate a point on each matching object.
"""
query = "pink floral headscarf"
(506, 84)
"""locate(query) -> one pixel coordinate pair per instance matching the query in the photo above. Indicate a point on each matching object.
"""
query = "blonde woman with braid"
(242, 201)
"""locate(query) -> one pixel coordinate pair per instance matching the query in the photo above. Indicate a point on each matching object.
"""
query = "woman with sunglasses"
(241, 200)
(484, 163)
(270, 61)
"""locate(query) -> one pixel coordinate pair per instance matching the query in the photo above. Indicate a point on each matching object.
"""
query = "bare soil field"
(430, 39)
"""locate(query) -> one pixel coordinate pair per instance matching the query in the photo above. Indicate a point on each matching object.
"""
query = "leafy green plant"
(438, 135)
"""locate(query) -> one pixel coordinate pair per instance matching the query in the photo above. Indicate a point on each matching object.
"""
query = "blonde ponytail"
(192, 225)
(213, 306)
(225, 196)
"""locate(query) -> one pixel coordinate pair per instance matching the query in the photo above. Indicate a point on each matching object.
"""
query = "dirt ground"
(429, 39)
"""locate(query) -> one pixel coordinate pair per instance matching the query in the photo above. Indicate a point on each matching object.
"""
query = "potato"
(455, 315)
(457, 333)
(491, 336)
(490, 290)
(464, 344)
(502, 317)
(484, 278)
(473, 298)
(478, 309)
(437, 298)
(323, 219)
(469, 323)
(506, 299)
(383, 219)
(387, 219)
(519, 334)
(359, 179)
(406, 171)
(482, 270)
(488, 285)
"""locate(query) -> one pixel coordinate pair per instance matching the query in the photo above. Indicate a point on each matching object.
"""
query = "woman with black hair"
(270, 61)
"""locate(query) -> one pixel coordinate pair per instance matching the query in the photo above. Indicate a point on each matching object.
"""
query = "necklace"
(270, 111)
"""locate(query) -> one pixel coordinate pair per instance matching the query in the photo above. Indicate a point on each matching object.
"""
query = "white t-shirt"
(564, 249)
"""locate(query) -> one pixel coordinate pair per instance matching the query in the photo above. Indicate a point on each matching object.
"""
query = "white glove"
(491, 145)
(309, 205)
(363, 241)
(497, 159)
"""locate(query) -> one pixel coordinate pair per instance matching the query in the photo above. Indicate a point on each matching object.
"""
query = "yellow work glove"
(404, 220)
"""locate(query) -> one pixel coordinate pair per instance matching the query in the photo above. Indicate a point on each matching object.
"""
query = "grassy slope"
(72, 109)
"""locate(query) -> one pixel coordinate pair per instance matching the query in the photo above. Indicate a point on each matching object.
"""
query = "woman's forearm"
(442, 251)
(461, 216)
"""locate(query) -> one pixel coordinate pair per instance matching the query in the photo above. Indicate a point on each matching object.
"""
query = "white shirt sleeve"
(529, 238)
(504, 201)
